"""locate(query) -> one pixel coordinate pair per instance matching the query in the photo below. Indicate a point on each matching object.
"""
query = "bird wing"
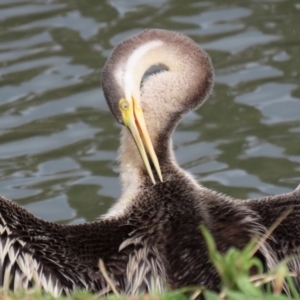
(57, 258)
(285, 239)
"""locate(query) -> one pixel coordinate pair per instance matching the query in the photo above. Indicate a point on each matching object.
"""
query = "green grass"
(233, 268)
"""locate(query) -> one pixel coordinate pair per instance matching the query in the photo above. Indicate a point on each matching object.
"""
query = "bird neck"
(133, 174)
(164, 97)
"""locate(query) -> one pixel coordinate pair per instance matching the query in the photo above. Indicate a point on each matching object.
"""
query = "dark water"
(58, 141)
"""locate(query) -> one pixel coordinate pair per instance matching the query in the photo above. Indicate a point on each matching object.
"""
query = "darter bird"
(149, 239)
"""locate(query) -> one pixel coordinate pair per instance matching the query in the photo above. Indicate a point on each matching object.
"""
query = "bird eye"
(124, 105)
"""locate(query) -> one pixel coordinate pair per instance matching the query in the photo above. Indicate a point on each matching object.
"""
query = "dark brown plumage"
(150, 238)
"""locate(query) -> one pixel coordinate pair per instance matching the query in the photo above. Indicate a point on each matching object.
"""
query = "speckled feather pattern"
(150, 239)
(61, 258)
(157, 243)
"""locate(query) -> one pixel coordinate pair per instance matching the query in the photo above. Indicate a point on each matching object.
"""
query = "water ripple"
(58, 140)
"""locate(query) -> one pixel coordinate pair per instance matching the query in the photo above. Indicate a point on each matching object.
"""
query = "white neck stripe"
(133, 61)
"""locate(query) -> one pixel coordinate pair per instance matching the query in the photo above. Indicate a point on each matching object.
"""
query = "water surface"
(58, 140)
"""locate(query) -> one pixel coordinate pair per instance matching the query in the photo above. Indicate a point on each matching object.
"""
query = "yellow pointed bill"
(133, 118)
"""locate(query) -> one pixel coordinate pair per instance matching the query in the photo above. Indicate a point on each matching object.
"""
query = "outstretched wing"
(55, 257)
(285, 241)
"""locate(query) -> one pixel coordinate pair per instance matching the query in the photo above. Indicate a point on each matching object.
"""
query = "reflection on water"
(58, 144)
